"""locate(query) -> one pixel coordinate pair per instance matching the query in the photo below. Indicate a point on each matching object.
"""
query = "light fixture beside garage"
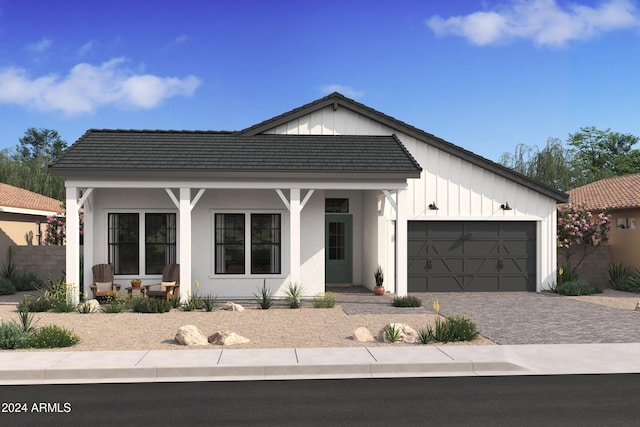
(433, 206)
(505, 206)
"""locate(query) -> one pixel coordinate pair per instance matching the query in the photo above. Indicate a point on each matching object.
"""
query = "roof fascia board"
(24, 211)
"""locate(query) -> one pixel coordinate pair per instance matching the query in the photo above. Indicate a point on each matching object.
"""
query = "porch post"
(88, 239)
(401, 242)
(294, 234)
(73, 245)
(185, 243)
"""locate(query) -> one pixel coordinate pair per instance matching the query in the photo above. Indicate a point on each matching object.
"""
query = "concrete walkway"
(539, 334)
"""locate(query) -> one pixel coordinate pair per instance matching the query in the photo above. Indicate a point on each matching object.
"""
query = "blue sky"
(485, 75)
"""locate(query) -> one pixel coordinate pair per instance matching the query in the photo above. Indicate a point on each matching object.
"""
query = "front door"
(338, 249)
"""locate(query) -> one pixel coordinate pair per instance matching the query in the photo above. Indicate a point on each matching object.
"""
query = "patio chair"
(170, 283)
(103, 281)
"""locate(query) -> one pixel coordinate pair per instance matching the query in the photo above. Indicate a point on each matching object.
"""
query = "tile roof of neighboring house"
(204, 151)
(619, 192)
(14, 197)
(336, 99)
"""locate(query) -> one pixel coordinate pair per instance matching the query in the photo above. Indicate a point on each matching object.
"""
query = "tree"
(550, 166)
(28, 166)
(603, 153)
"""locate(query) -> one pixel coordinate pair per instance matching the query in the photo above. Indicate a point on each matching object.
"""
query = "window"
(124, 242)
(230, 243)
(336, 205)
(626, 223)
(265, 244)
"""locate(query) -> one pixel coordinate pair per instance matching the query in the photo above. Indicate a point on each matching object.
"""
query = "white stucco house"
(320, 195)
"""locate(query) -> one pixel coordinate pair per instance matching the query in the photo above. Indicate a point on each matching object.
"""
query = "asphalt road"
(581, 400)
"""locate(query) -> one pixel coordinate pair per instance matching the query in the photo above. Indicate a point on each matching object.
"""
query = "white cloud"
(88, 87)
(542, 21)
(40, 46)
(85, 48)
(345, 90)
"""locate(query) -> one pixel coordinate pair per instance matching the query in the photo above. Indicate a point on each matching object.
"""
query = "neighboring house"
(320, 195)
(23, 214)
(620, 194)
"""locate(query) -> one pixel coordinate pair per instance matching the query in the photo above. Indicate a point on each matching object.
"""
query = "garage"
(471, 256)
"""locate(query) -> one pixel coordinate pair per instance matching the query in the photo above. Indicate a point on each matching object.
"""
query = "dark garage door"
(449, 256)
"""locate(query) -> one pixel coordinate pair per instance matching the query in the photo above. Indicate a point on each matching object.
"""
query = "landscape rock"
(232, 306)
(638, 306)
(362, 334)
(227, 338)
(407, 333)
(191, 335)
(93, 304)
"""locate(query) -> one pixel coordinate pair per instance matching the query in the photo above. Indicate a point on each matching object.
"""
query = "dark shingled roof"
(208, 151)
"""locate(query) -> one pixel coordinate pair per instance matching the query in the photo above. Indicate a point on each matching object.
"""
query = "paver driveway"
(518, 317)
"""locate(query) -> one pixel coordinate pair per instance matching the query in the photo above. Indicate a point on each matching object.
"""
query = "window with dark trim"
(229, 243)
(265, 243)
(336, 205)
(232, 238)
(124, 241)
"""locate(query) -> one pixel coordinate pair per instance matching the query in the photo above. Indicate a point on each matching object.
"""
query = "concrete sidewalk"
(309, 363)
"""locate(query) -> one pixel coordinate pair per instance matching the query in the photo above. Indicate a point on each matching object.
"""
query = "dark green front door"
(338, 249)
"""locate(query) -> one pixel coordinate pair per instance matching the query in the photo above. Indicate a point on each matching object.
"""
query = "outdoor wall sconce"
(433, 207)
(505, 206)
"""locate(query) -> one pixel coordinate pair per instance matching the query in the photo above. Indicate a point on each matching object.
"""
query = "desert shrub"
(63, 306)
(264, 297)
(324, 300)
(622, 278)
(25, 316)
(567, 273)
(210, 302)
(175, 301)
(454, 328)
(407, 301)
(293, 295)
(393, 332)
(576, 288)
(52, 336)
(6, 286)
(85, 308)
(11, 336)
(26, 281)
(425, 335)
(151, 305)
(36, 305)
(114, 303)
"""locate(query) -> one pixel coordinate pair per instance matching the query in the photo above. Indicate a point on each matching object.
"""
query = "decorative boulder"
(232, 306)
(362, 334)
(191, 335)
(638, 306)
(93, 304)
(407, 333)
(227, 338)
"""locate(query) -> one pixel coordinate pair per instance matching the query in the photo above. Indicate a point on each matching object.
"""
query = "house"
(320, 195)
(23, 216)
(619, 194)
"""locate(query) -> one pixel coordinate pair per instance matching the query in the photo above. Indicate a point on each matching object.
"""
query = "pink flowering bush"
(57, 228)
(579, 230)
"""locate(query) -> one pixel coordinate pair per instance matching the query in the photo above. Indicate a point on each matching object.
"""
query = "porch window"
(233, 243)
(159, 242)
(336, 205)
(265, 244)
(229, 243)
(157, 248)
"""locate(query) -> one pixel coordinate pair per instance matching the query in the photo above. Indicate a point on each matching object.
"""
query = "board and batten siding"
(460, 189)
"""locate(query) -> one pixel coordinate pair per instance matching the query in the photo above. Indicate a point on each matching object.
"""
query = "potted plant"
(379, 275)
(135, 283)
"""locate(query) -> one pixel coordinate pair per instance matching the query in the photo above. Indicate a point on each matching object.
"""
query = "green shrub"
(576, 288)
(63, 306)
(26, 282)
(407, 301)
(210, 302)
(425, 335)
(11, 336)
(264, 297)
(293, 295)
(622, 278)
(25, 316)
(51, 337)
(174, 301)
(567, 273)
(37, 305)
(324, 300)
(151, 305)
(115, 303)
(393, 332)
(455, 328)
(6, 286)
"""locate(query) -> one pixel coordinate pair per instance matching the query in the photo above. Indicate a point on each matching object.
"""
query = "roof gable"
(618, 192)
(15, 197)
(337, 100)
